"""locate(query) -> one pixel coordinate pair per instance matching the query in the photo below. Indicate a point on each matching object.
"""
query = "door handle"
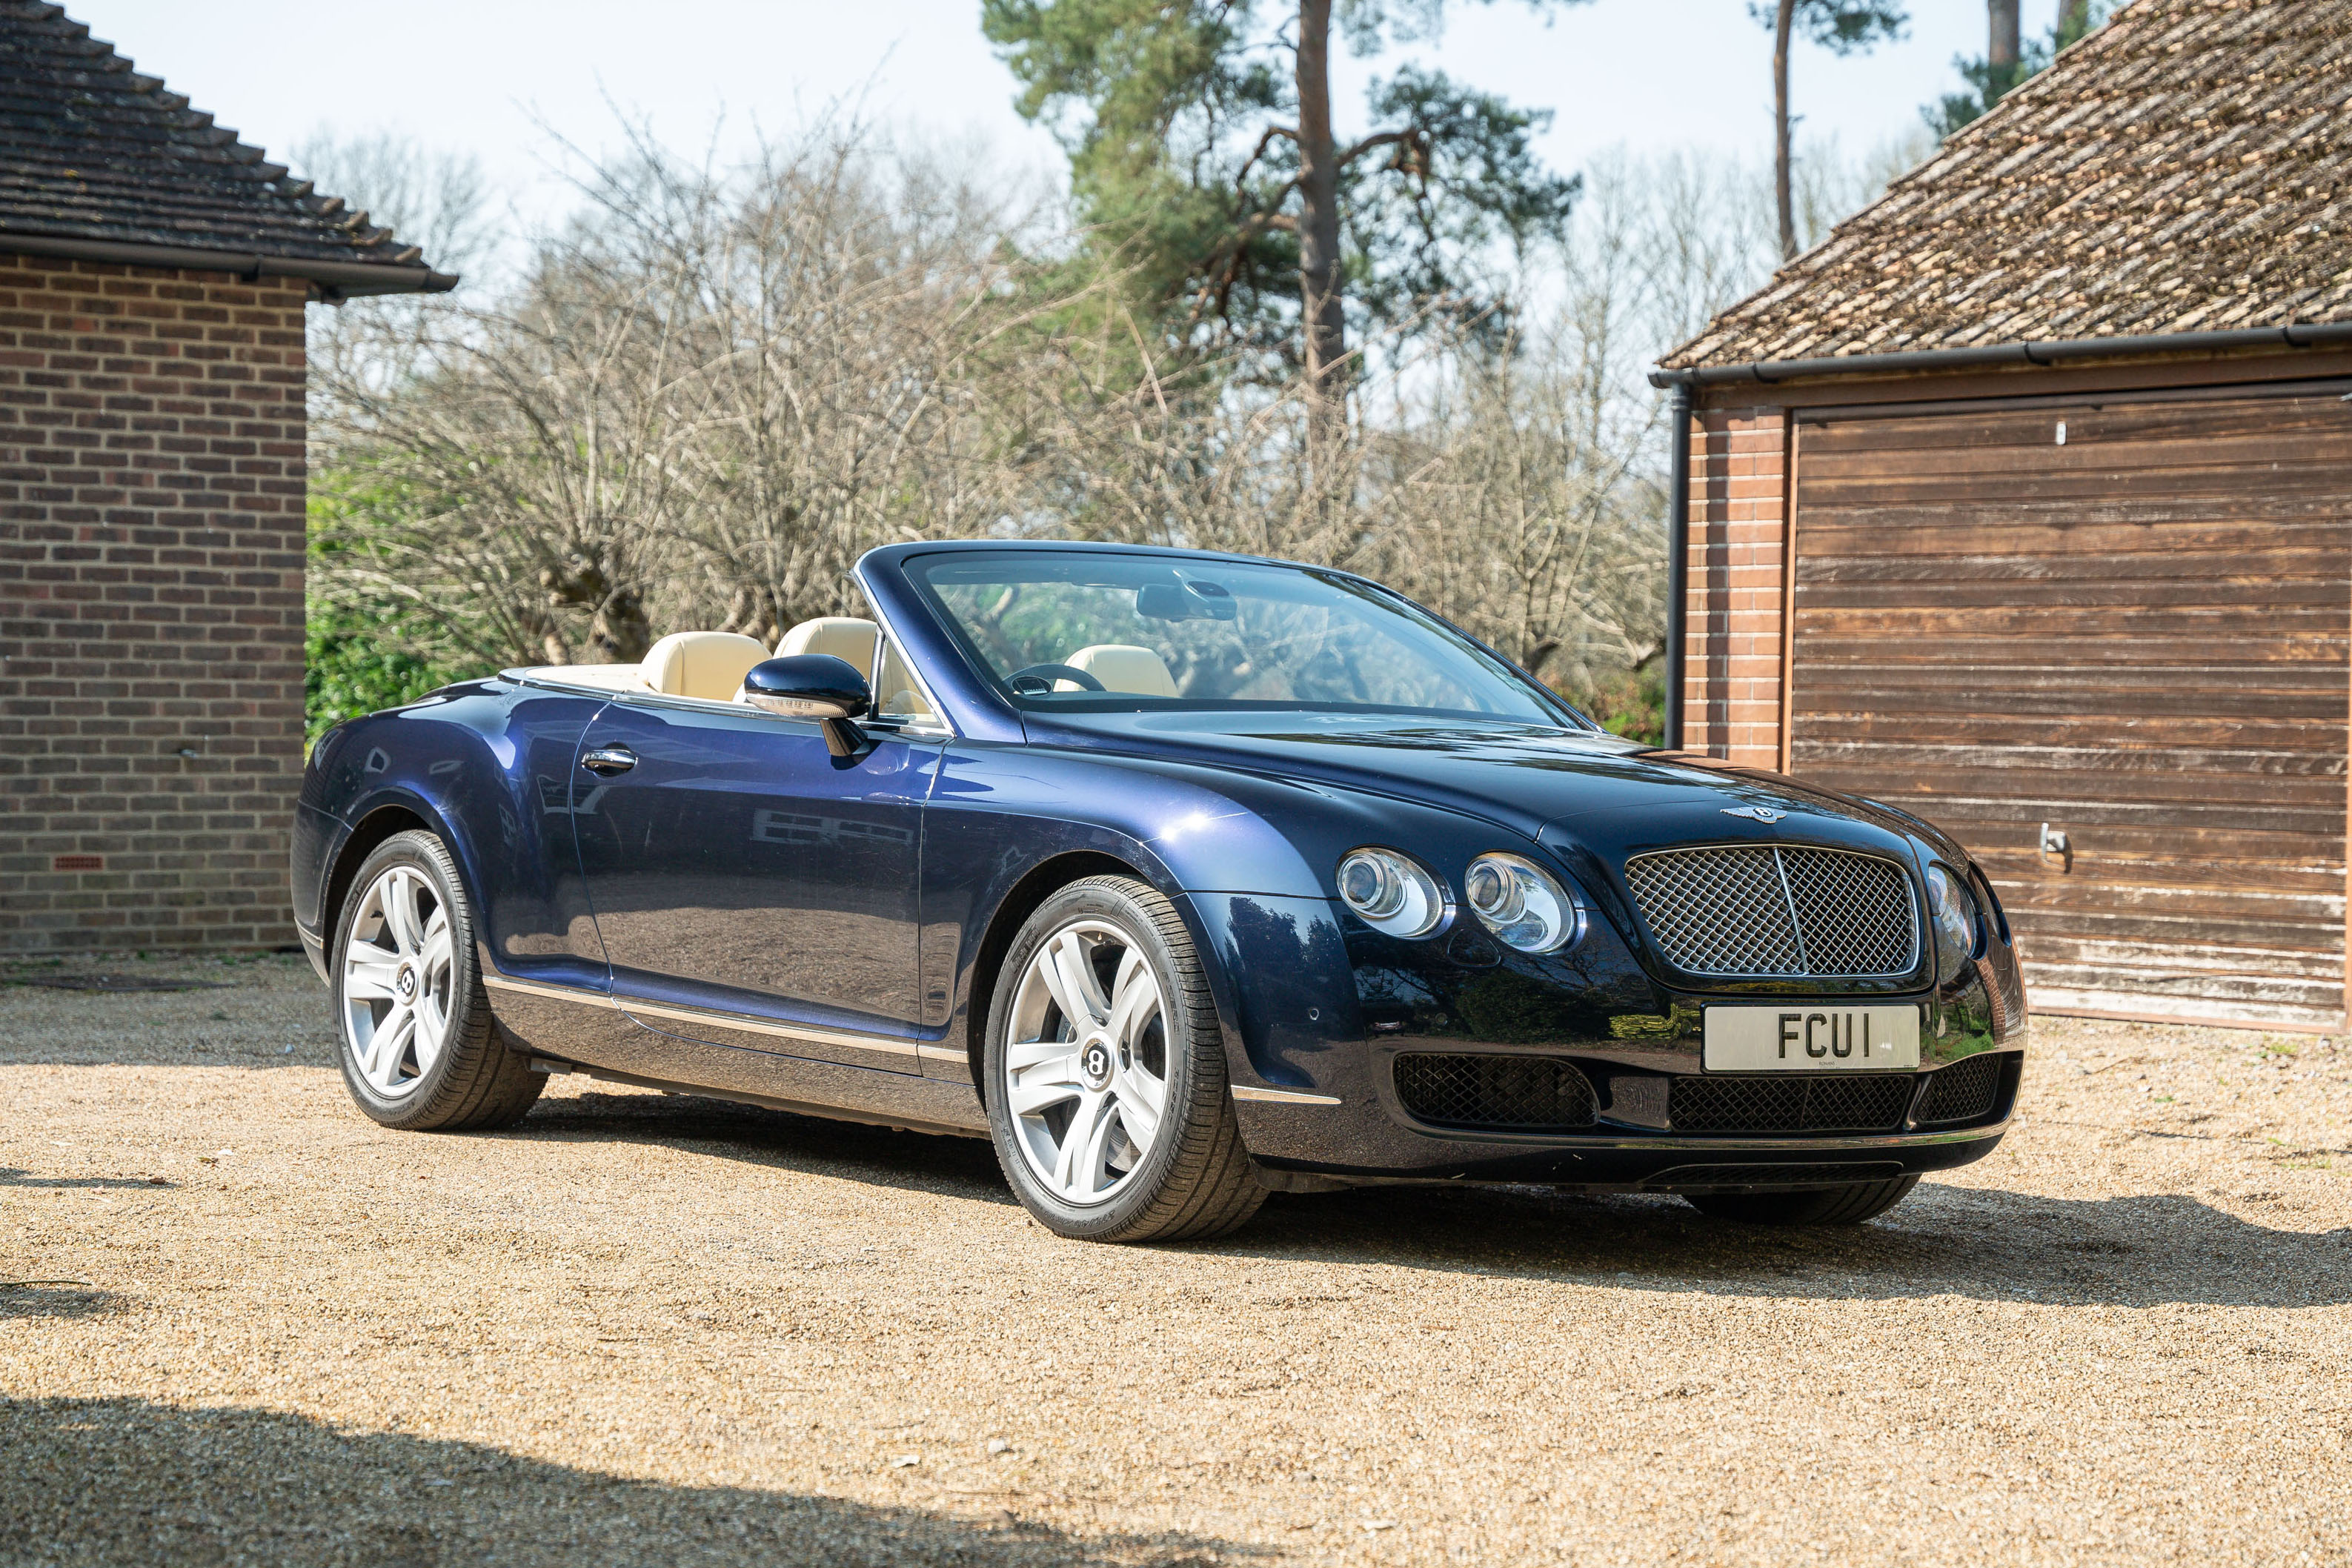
(606, 760)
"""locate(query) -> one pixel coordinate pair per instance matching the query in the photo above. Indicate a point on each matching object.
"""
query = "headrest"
(843, 636)
(708, 665)
(1121, 667)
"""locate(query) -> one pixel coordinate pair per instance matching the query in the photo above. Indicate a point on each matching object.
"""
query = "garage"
(2127, 621)
(2025, 501)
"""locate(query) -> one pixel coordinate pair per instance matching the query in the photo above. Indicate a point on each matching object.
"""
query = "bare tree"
(698, 402)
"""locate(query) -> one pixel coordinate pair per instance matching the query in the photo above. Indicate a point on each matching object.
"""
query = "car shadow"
(959, 1167)
(2138, 1250)
(124, 1480)
(1992, 1244)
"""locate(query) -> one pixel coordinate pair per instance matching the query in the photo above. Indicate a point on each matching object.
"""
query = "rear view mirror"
(1190, 600)
(814, 685)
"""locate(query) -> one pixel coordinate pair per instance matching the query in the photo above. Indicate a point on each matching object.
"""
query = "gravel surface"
(642, 1328)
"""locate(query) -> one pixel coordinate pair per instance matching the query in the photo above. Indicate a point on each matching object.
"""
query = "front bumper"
(1357, 1129)
(1322, 1014)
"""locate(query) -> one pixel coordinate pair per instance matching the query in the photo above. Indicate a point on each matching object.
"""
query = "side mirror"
(814, 685)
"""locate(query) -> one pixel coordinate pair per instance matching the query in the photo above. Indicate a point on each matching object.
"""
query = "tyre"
(1105, 1074)
(420, 1050)
(1848, 1204)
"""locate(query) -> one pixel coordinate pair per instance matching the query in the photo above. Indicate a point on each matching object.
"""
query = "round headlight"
(1959, 929)
(1390, 892)
(1523, 904)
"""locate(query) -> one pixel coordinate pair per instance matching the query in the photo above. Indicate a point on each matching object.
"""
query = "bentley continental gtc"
(1183, 878)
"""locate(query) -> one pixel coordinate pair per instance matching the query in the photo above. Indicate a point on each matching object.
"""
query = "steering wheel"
(1043, 676)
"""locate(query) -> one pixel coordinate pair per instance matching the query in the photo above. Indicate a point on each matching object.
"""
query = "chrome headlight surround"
(1960, 923)
(1390, 891)
(1521, 904)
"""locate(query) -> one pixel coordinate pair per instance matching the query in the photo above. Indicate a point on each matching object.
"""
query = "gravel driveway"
(642, 1328)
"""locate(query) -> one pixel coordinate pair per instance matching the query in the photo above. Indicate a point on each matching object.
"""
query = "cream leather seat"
(843, 636)
(1121, 667)
(708, 665)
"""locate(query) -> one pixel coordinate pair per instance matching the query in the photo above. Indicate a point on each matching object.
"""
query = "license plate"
(1815, 1039)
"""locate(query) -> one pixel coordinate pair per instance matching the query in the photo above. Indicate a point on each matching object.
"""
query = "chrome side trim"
(1283, 1096)
(529, 675)
(736, 1021)
(586, 998)
(954, 1054)
(633, 1006)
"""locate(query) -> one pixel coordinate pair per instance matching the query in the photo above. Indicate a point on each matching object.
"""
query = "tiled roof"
(95, 157)
(2187, 168)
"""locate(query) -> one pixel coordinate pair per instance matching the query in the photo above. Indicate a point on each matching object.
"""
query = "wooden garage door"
(2136, 633)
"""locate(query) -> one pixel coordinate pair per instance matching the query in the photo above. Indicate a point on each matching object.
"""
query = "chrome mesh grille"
(1766, 909)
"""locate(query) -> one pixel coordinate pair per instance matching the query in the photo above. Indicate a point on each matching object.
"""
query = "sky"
(503, 78)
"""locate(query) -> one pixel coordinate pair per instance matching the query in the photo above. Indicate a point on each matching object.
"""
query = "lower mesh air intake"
(1519, 1092)
(1964, 1091)
(1809, 1102)
(1683, 1176)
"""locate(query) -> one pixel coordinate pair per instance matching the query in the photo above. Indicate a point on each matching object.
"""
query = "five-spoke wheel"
(1106, 1088)
(396, 974)
(420, 1048)
(1086, 1067)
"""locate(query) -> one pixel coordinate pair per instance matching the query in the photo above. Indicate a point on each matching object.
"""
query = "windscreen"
(1101, 631)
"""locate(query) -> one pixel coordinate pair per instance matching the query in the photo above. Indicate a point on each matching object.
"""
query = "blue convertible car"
(1185, 877)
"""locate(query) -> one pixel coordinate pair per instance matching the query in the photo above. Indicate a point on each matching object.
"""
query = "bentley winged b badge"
(1756, 812)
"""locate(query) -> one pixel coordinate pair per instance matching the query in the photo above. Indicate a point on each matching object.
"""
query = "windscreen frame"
(916, 570)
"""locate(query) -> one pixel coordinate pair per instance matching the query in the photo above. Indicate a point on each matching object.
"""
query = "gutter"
(336, 279)
(1678, 422)
(2307, 335)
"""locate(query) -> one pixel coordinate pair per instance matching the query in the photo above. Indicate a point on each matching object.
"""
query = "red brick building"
(154, 276)
(2024, 503)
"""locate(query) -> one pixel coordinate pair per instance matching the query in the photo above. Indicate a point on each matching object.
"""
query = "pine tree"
(1203, 141)
(2007, 63)
(1840, 27)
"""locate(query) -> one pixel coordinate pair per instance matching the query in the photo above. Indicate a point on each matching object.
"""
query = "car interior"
(710, 665)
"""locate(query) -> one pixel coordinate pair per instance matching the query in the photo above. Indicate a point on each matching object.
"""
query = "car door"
(752, 888)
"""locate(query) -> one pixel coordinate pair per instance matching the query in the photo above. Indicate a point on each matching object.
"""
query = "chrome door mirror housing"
(814, 685)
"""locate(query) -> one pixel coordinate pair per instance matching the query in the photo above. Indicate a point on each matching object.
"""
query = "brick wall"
(151, 605)
(1731, 670)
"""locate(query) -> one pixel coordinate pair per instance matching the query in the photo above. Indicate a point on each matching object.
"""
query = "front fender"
(1248, 858)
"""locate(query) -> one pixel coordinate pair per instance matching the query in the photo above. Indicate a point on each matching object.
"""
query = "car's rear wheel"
(1105, 1073)
(1848, 1204)
(420, 1050)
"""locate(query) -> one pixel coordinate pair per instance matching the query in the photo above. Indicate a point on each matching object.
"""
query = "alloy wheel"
(398, 970)
(1086, 1061)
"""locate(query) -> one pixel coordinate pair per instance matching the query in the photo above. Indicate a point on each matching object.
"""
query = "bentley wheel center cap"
(1094, 1064)
(405, 983)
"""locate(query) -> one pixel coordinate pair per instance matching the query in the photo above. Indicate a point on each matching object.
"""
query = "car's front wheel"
(1105, 1073)
(420, 1050)
(1848, 1204)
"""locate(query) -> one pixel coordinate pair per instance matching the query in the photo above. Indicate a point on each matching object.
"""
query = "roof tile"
(91, 149)
(2185, 167)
